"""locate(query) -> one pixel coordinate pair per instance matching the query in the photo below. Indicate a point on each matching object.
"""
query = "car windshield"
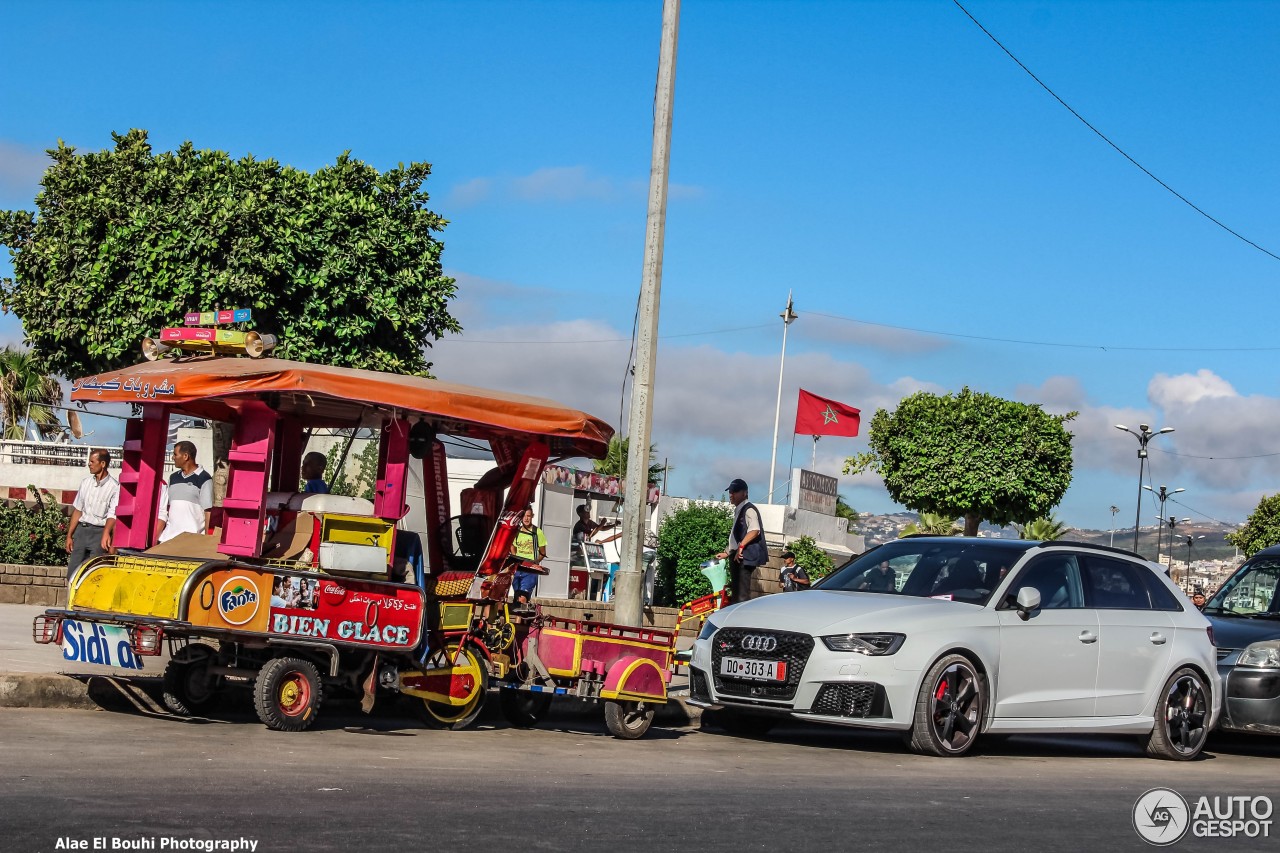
(959, 569)
(1250, 591)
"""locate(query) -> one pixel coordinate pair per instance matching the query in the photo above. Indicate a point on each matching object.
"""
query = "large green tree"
(1261, 530)
(342, 263)
(972, 455)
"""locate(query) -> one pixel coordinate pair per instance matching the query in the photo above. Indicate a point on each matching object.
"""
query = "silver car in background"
(945, 638)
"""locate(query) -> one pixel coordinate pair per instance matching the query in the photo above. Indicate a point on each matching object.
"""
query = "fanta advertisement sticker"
(238, 600)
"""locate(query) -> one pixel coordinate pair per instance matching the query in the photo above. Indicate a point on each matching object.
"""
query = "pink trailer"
(628, 668)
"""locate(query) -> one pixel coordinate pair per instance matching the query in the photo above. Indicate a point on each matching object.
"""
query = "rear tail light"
(147, 640)
(46, 629)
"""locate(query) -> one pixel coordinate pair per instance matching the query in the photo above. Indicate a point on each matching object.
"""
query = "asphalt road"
(382, 783)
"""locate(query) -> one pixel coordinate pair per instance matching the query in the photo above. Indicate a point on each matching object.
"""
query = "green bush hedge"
(811, 558)
(687, 538)
(33, 535)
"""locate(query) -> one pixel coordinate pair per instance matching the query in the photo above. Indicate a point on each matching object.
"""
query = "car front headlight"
(865, 644)
(1265, 654)
(708, 628)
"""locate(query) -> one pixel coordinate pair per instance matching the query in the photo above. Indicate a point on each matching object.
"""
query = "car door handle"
(1157, 638)
(1088, 637)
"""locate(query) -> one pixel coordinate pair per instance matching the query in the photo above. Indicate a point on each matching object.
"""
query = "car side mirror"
(1028, 600)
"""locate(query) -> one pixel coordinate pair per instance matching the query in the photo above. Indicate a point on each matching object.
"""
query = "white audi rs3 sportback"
(947, 638)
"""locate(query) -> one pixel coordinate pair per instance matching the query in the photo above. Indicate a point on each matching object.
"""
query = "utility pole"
(1114, 509)
(628, 585)
(788, 317)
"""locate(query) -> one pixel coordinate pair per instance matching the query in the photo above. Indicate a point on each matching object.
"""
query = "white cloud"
(817, 328)
(1172, 392)
(561, 185)
(564, 183)
(21, 168)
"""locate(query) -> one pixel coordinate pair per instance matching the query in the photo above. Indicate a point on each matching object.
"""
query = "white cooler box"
(349, 557)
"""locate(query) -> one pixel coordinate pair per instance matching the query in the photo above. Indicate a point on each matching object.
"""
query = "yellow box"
(356, 530)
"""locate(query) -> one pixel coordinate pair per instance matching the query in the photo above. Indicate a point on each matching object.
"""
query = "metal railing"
(49, 453)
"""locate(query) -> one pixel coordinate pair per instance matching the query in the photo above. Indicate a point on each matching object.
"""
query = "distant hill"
(879, 529)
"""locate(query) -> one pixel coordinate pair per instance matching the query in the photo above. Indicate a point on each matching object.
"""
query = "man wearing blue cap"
(747, 548)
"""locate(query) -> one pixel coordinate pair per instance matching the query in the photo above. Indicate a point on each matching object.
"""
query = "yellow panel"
(455, 616)
(138, 586)
(356, 530)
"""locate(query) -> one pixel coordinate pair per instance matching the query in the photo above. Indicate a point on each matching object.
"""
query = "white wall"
(782, 524)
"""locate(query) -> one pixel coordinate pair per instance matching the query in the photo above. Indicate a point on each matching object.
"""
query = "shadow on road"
(1005, 747)
(392, 715)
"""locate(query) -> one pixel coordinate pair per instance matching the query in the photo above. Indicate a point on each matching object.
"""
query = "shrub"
(33, 535)
(811, 558)
(687, 538)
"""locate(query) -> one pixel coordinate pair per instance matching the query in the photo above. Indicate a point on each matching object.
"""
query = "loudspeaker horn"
(73, 421)
(257, 345)
(153, 349)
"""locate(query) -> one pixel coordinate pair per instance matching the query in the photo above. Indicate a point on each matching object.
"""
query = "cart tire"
(457, 717)
(287, 694)
(523, 708)
(189, 689)
(628, 720)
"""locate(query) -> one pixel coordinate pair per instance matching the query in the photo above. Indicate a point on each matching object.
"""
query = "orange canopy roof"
(211, 387)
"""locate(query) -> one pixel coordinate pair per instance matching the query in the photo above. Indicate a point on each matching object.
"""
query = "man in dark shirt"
(880, 579)
(584, 526)
(792, 574)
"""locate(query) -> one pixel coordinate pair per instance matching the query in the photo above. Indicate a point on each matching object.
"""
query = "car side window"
(1116, 585)
(1162, 598)
(1057, 577)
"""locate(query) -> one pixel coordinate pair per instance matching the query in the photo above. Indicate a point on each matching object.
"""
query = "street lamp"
(1144, 435)
(1190, 540)
(1173, 529)
(1163, 495)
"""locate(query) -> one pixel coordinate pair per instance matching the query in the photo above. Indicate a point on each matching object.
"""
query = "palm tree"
(614, 463)
(931, 524)
(26, 393)
(1045, 529)
(848, 513)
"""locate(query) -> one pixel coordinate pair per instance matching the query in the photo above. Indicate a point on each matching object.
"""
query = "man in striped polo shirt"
(190, 496)
(93, 514)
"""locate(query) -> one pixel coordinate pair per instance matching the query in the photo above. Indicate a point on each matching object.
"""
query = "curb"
(78, 692)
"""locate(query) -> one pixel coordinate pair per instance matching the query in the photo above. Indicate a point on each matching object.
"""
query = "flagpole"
(791, 467)
(788, 317)
(813, 464)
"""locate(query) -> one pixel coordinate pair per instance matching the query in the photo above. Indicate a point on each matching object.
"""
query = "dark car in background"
(1245, 614)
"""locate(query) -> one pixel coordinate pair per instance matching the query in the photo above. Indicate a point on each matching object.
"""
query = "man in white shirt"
(93, 513)
(186, 507)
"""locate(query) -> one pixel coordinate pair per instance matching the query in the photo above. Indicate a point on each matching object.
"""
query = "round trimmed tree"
(970, 455)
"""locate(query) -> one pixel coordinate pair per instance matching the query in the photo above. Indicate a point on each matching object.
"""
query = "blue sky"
(885, 161)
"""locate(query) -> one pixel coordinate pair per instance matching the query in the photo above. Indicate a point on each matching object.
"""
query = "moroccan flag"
(819, 416)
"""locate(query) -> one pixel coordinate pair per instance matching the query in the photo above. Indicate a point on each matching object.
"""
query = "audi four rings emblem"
(759, 643)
